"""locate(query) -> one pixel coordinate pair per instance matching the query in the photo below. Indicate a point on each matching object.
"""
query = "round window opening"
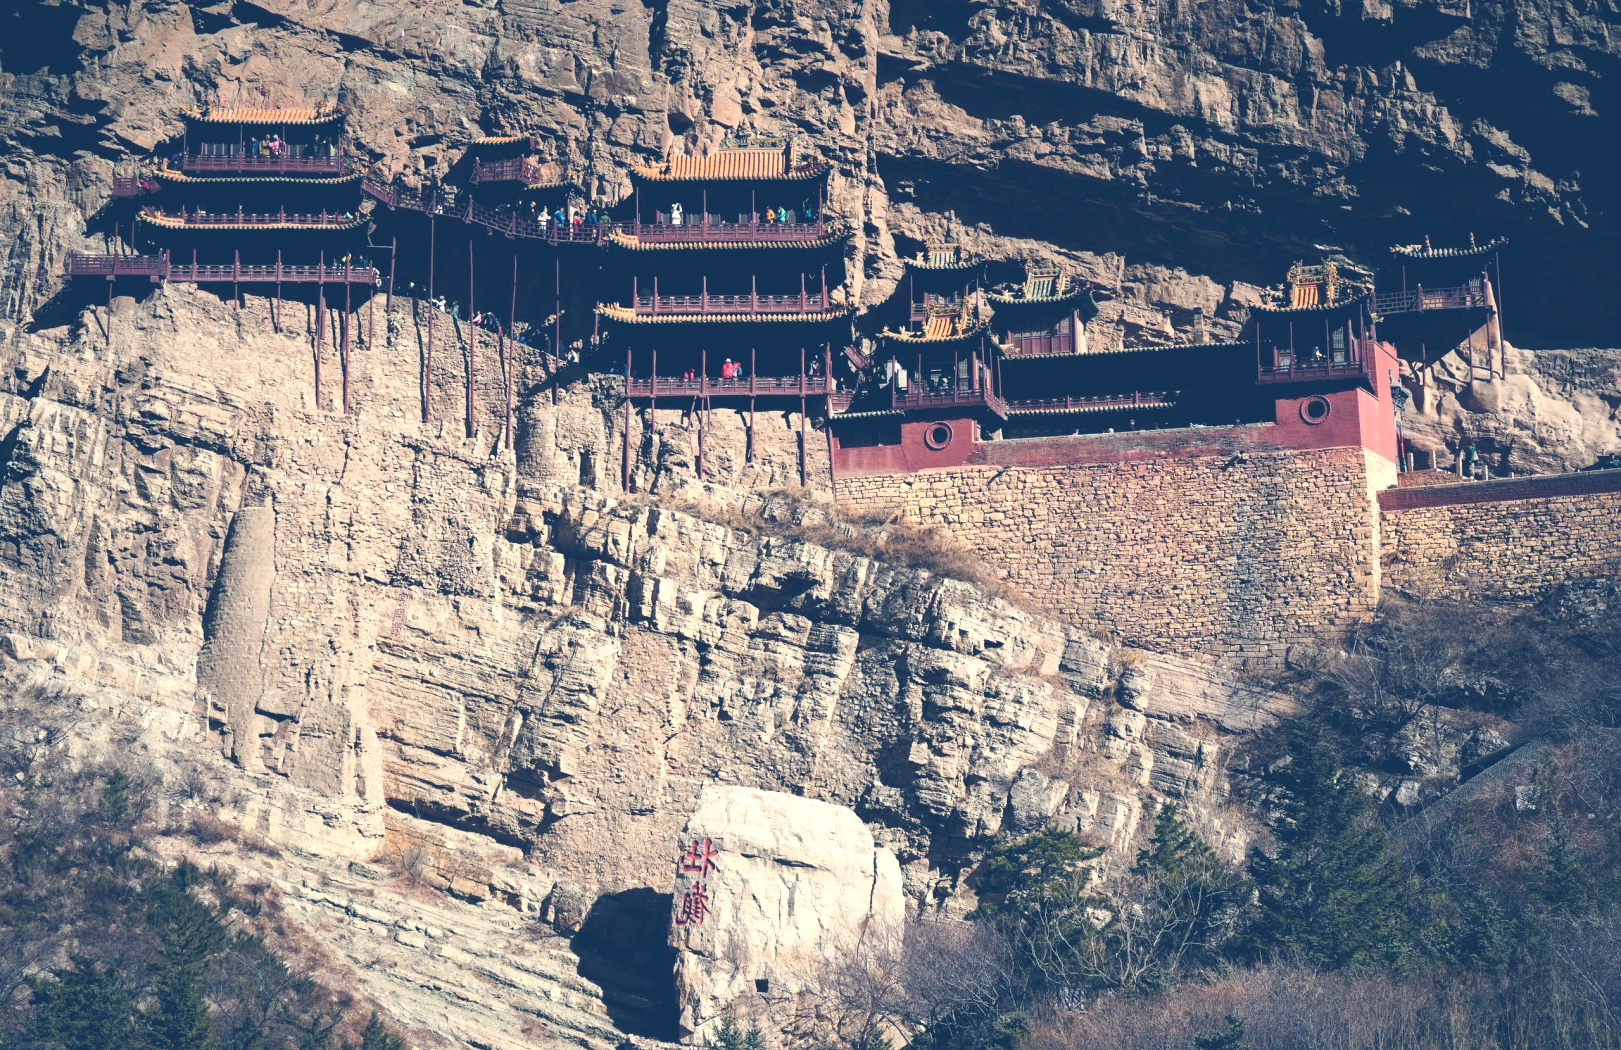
(938, 436)
(1314, 410)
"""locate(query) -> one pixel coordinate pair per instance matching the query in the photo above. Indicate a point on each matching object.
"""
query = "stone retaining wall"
(1220, 544)
(1512, 539)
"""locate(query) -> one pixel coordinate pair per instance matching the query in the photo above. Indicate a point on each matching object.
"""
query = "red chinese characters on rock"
(698, 858)
(694, 906)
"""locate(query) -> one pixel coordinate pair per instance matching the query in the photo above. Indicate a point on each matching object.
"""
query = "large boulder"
(772, 890)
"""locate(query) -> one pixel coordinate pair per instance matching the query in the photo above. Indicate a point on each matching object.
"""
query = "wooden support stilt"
(320, 335)
(804, 467)
(427, 363)
(557, 329)
(109, 331)
(343, 354)
(832, 471)
(472, 343)
(703, 373)
(393, 251)
(507, 361)
(626, 472)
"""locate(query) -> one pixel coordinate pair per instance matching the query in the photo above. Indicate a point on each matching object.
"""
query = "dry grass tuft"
(879, 534)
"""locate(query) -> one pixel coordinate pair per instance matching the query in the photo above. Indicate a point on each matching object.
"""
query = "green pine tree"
(83, 1008)
(1229, 1038)
(1566, 887)
(1199, 890)
(729, 1035)
(180, 1021)
(1335, 894)
(377, 1036)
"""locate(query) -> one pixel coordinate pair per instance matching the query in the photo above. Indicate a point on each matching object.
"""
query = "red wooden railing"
(709, 228)
(241, 163)
(963, 393)
(246, 218)
(130, 187)
(1286, 366)
(936, 303)
(763, 386)
(1463, 297)
(513, 169)
(83, 264)
(732, 304)
(185, 272)
(1135, 399)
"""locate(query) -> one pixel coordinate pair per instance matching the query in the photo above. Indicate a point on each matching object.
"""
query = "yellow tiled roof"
(171, 175)
(236, 115)
(731, 164)
(174, 222)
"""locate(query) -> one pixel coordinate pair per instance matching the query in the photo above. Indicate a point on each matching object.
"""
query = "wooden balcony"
(711, 229)
(961, 395)
(81, 264)
(247, 218)
(751, 386)
(654, 306)
(1287, 366)
(1421, 300)
(274, 274)
(130, 187)
(1109, 402)
(241, 164)
(934, 305)
(161, 267)
(513, 169)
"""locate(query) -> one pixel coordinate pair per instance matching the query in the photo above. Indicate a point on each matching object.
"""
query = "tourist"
(770, 215)
(675, 214)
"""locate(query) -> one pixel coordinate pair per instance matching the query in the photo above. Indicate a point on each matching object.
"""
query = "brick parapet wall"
(1512, 539)
(1241, 552)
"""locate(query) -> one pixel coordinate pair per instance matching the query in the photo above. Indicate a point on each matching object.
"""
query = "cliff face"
(1177, 153)
(383, 634)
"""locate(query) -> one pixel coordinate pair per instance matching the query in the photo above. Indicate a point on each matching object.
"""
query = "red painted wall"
(912, 454)
(1356, 419)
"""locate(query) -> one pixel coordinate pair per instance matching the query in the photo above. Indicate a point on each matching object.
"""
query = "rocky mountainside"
(467, 686)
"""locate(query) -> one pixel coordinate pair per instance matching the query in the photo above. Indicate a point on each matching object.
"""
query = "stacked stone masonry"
(1512, 540)
(1241, 555)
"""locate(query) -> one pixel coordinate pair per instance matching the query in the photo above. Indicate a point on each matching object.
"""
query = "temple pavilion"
(1435, 300)
(725, 266)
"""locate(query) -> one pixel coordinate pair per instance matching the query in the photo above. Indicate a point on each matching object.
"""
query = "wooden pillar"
(832, 470)
(557, 327)
(653, 392)
(427, 362)
(626, 472)
(111, 279)
(320, 332)
(507, 362)
(236, 277)
(275, 314)
(803, 469)
(393, 251)
(343, 354)
(472, 344)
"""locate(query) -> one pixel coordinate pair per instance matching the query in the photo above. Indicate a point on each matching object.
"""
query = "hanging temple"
(716, 288)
